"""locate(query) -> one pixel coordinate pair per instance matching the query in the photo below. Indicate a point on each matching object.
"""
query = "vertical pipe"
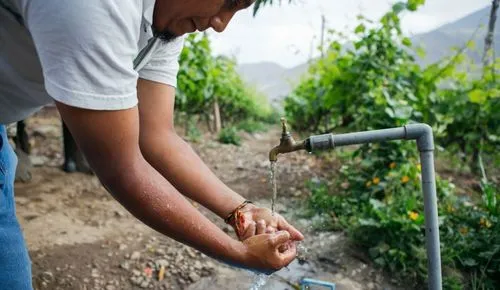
(431, 220)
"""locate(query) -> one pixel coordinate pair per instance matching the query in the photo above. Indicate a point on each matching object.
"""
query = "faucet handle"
(283, 125)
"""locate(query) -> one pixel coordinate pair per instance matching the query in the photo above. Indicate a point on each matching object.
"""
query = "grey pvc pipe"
(422, 133)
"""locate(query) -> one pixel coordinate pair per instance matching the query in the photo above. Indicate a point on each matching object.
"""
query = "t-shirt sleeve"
(164, 64)
(86, 49)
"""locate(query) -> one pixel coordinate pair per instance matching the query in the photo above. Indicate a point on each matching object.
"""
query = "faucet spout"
(287, 144)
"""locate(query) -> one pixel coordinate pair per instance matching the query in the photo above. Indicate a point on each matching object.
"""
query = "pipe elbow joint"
(422, 133)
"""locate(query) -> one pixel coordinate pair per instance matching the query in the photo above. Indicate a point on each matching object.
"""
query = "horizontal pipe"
(369, 136)
(422, 133)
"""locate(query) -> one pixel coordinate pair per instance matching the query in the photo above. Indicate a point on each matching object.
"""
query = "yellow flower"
(419, 167)
(413, 215)
(392, 165)
(450, 208)
(485, 223)
(368, 184)
(464, 230)
(405, 179)
(376, 180)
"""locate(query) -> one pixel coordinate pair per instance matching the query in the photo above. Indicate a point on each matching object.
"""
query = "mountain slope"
(439, 42)
(277, 82)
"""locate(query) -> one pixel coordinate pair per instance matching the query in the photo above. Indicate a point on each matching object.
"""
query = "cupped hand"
(269, 252)
(258, 220)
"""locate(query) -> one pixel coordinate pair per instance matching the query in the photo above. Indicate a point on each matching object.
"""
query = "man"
(110, 66)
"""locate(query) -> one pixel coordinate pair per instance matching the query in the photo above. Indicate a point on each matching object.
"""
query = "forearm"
(153, 200)
(180, 164)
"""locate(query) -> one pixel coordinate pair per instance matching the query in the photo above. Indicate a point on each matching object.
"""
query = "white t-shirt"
(80, 53)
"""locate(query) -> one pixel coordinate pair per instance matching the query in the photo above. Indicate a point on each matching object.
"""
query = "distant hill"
(276, 81)
(439, 42)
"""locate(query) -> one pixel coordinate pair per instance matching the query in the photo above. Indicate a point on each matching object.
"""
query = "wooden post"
(217, 120)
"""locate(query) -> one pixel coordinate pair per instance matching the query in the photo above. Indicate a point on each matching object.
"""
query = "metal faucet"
(287, 143)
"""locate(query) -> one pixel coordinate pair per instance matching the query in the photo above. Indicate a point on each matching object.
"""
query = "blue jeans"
(15, 265)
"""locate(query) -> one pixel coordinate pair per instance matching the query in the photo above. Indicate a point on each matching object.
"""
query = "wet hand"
(258, 220)
(270, 252)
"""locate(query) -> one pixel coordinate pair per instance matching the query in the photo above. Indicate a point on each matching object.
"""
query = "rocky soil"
(79, 237)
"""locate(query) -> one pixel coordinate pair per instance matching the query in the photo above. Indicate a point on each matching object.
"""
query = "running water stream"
(261, 279)
(273, 184)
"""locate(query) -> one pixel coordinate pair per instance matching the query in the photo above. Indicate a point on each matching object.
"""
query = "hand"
(252, 220)
(268, 253)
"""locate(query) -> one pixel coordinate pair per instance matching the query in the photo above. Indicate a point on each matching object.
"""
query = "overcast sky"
(283, 34)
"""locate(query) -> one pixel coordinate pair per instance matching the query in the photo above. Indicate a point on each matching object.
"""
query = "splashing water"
(302, 253)
(259, 281)
(273, 184)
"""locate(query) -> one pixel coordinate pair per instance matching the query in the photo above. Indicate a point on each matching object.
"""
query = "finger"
(261, 227)
(270, 230)
(280, 238)
(294, 233)
(249, 231)
(288, 256)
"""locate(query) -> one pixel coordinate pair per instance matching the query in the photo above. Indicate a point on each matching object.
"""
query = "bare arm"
(173, 157)
(178, 162)
(110, 141)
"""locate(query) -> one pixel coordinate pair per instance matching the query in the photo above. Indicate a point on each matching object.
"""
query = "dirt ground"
(79, 237)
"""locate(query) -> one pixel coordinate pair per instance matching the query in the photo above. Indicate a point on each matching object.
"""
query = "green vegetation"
(230, 136)
(210, 89)
(377, 197)
(251, 126)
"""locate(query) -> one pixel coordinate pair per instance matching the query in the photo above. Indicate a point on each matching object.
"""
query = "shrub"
(229, 135)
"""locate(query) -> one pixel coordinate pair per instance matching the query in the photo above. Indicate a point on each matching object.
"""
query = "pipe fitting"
(423, 134)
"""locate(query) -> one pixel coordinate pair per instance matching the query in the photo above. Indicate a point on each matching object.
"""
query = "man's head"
(173, 18)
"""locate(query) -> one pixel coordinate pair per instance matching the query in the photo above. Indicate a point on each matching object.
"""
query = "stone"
(95, 273)
(135, 256)
(125, 265)
(194, 277)
(144, 284)
(160, 251)
(122, 247)
(370, 285)
(161, 262)
(191, 253)
(47, 276)
(209, 265)
(198, 265)
(119, 213)
(38, 160)
(110, 287)
(136, 280)
(136, 272)
(21, 200)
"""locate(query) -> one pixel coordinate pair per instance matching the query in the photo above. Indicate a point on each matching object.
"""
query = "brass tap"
(287, 143)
